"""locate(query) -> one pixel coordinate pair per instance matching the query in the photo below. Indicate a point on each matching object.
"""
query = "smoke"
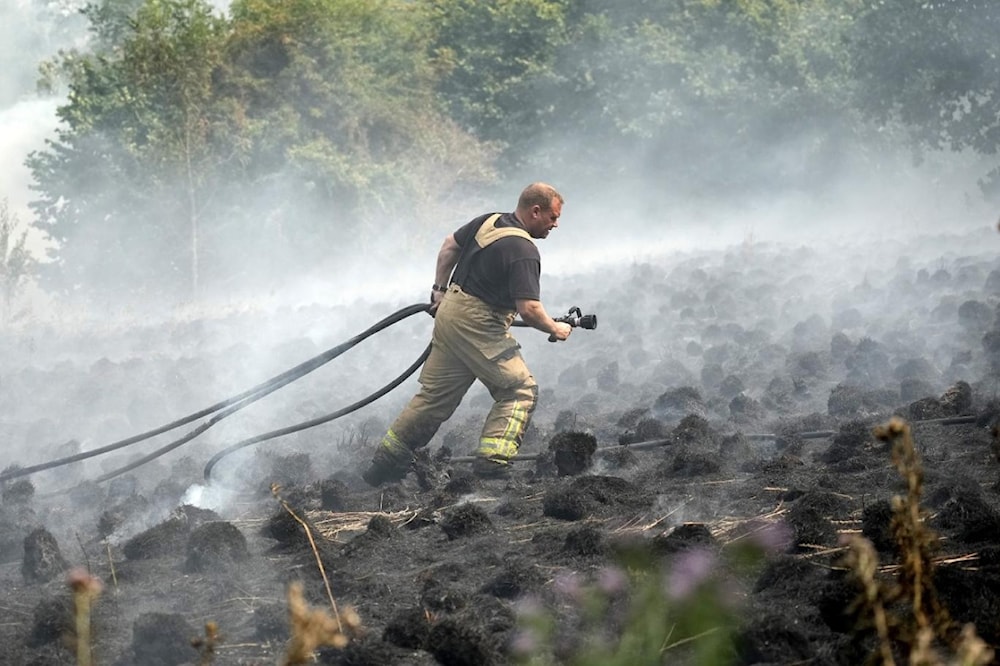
(26, 125)
(96, 376)
(898, 202)
(30, 33)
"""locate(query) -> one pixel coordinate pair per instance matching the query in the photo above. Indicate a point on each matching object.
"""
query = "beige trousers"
(471, 341)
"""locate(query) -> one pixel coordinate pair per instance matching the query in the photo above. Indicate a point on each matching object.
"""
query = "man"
(496, 277)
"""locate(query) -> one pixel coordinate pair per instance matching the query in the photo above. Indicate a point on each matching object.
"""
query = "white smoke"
(23, 129)
(31, 33)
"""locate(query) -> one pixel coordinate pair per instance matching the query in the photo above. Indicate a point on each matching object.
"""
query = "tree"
(500, 68)
(125, 183)
(340, 96)
(934, 68)
(695, 93)
(200, 149)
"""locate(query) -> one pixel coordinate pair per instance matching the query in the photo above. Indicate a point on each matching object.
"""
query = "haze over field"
(314, 209)
(749, 177)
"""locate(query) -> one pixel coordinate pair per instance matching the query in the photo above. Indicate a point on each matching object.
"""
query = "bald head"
(539, 194)
(539, 208)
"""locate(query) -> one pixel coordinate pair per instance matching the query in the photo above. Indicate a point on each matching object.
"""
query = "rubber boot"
(491, 468)
(391, 462)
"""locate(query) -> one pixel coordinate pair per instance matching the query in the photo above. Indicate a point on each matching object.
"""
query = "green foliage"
(124, 184)
(197, 148)
(499, 60)
(339, 101)
(694, 92)
(932, 67)
(205, 151)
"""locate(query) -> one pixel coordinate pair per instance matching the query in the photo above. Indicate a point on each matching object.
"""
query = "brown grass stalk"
(275, 489)
(925, 622)
(111, 563)
(313, 628)
(207, 644)
(86, 589)
(862, 561)
(917, 543)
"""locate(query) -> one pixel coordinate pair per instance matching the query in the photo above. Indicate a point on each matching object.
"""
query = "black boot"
(385, 469)
(489, 468)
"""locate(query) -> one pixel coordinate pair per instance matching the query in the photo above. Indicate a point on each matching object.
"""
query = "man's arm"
(447, 259)
(533, 314)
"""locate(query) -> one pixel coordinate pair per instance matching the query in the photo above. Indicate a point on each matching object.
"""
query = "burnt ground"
(758, 374)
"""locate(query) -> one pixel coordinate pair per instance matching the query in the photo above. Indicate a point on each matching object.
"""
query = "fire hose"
(573, 318)
(221, 409)
(229, 406)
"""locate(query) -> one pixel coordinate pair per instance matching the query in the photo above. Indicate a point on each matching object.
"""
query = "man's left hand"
(436, 298)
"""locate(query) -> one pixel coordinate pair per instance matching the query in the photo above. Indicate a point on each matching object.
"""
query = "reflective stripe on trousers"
(471, 341)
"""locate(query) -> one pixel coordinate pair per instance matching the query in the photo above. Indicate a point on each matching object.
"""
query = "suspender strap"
(489, 232)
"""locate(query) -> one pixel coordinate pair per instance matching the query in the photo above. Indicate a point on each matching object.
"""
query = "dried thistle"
(928, 622)
(972, 650)
(922, 652)
(312, 628)
(85, 589)
(862, 561)
(315, 627)
(206, 645)
(916, 542)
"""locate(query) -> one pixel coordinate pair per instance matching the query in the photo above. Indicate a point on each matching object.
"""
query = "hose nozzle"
(576, 318)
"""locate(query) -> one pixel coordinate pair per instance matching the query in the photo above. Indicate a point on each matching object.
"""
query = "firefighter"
(487, 273)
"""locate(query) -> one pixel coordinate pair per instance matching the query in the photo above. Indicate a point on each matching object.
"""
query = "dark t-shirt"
(506, 269)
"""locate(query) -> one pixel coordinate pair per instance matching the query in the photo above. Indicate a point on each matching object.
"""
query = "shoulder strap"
(488, 232)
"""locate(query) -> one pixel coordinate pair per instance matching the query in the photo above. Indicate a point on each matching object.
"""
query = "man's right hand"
(562, 331)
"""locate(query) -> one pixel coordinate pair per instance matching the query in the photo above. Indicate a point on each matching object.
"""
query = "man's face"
(544, 220)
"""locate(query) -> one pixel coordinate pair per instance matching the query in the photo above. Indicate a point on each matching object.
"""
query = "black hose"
(319, 420)
(229, 406)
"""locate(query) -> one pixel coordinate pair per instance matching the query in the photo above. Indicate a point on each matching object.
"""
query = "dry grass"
(332, 525)
(86, 588)
(207, 644)
(312, 627)
(903, 609)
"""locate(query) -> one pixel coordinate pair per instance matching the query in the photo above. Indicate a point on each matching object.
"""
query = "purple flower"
(528, 606)
(690, 570)
(774, 537)
(611, 581)
(524, 643)
(568, 586)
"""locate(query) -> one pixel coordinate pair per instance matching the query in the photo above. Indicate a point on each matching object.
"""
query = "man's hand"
(562, 331)
(534, 315)
(436, 298)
